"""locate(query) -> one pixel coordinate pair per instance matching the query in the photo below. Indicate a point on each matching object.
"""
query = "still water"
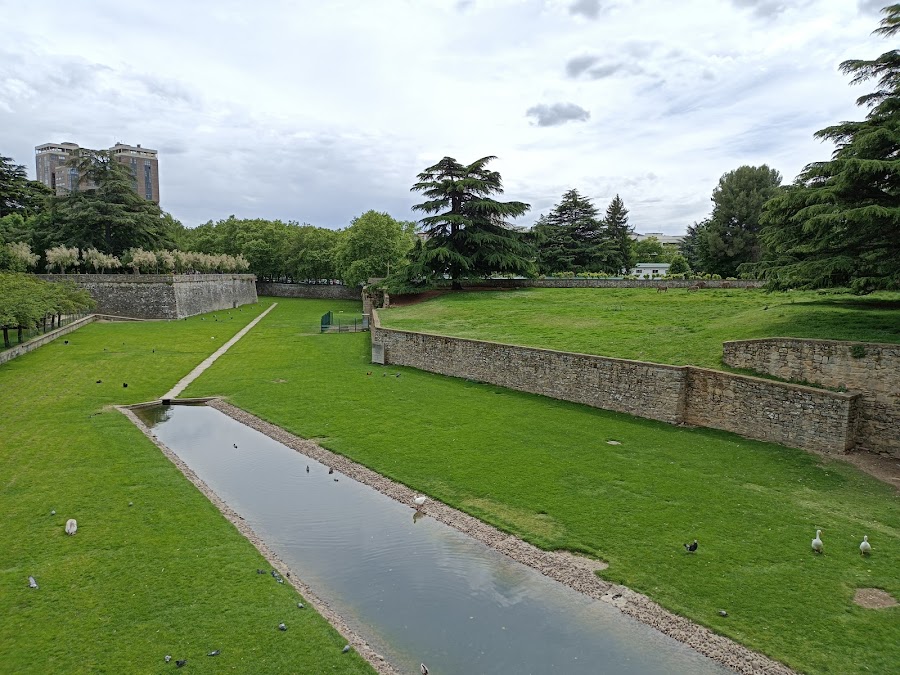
(417, 591)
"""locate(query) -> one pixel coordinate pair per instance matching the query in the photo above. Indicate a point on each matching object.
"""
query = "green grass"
(169, 575)
(677, 327)
(542, 469)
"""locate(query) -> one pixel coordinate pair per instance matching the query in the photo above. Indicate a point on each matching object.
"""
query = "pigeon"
(345, 649)
(722, 612)
(398, 374)
(53, 513)
(300, 605)
(32, 583)
(865, 548)
(690, 548)
(214, 653)
(168, 658)
(280, 580)
(282, 627)
(423, 669)
(181, 663)
(259, 571)
(330, 470)
(275, 574)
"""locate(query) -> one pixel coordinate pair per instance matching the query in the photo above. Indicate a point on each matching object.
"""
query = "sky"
(316, 112)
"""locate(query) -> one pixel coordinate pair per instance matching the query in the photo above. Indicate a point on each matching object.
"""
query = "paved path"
(195, 373)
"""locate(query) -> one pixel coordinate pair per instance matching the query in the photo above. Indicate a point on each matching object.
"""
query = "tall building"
(52, 171)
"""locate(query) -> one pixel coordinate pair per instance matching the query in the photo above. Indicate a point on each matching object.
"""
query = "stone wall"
(163, 296)
(40, 341)
(793, 415)
(314, 291)
(607, 283)
(870, 369)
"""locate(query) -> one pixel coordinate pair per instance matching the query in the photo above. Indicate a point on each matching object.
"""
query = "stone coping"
(813, 341)
(145, 278)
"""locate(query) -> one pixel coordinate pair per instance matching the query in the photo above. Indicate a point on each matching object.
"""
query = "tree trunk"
(19, 328)
(6, 337)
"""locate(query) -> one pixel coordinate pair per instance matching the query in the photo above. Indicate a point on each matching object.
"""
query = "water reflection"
(416, 592)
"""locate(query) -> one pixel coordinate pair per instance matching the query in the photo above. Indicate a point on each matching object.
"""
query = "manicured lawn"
(542, 469)
(676, 327)
(168, 575)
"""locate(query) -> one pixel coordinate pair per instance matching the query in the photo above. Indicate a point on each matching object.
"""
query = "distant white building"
(650, 269)
(664, 239)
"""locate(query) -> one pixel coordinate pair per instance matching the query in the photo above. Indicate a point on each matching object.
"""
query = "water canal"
(416, 590)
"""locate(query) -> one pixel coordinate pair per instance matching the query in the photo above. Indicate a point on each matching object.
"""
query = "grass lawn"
(542, 469)
(168, 575)
(677, 327)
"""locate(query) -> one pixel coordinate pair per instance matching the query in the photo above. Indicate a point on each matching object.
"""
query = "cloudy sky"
(317, 111)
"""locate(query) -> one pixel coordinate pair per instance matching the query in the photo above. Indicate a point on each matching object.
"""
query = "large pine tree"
(468, 234)
(839, 223)
(618, 232)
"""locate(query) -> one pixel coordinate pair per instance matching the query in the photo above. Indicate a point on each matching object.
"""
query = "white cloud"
(315, 112)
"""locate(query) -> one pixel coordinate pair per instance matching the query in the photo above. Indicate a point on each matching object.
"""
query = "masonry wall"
(870, 369)
(793, 415)
(40, 341)
(314, 291)
(163, 296)
(608, 283)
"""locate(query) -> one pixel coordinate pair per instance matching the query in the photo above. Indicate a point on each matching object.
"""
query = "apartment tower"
(52, 171)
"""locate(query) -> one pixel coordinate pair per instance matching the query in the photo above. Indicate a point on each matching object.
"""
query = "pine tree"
(468, 234)
(618, 233)
(839, 223)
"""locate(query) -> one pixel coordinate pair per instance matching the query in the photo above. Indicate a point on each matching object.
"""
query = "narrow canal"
(416, 590)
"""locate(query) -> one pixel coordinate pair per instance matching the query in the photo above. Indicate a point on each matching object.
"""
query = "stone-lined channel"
(417, 590)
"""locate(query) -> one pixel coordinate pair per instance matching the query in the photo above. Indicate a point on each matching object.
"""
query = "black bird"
(335, 480)
(99, 381)
(124, 385)
(181, 663)
(65, 342)
(398, 374)
(259, 571)
(330, 470)
(368, 373)
(690, 548)
(275, 574)
(282, 627)
(307, 468)
(154, 351)
(235, 444)
(214, 653)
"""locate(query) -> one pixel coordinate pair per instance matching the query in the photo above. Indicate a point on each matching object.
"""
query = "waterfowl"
(71, 526)
(419, 501)
(423, 669)
(690, 548)
(865, 547)
(330, 470)
(817, 545)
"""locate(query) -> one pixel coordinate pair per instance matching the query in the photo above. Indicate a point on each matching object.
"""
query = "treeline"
(27, 302)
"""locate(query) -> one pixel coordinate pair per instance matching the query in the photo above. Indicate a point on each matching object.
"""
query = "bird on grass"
(419, 501)
(124, 385)
(423, 669)
(690, 548)
(865, 548)
(259, 571)
(53, 512)
(181, 663)
(99, 381)
(167, 658)
(71, 526)
(282, 627)
(32, 583)
(345, 649)
(214, 653)
(817, 544)
(300, 605)
(65, 342)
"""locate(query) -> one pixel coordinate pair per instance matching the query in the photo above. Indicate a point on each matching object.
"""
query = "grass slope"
(542, 469)
(168, 575)
(677, 327)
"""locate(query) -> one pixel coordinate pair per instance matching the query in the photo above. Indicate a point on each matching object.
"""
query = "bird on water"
(423, 669)
(817, 544)
(690, 548)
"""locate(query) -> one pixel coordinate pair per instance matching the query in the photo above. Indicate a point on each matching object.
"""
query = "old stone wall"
(870, 369)
(40, 341)
(608, 283)
(314, 291)
(793, 415)
(163, 296)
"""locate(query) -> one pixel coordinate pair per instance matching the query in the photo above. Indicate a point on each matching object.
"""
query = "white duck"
(817, 544)
(865, 547)
(71, 526)
(420, 501)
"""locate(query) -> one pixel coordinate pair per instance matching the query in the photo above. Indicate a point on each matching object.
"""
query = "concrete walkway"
(208, 361)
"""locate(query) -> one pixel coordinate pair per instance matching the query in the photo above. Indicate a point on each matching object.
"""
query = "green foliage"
(571, 237)
(18, 195)
(678, 265)
(541, 469)
(310, 253)
(468, 235)
(651, 250)
(371, 246)
(731, 233)
(618, 232)
(839, 223)
(25, 300)
(168, 575)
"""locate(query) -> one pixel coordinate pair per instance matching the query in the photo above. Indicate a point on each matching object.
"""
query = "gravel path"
(577, 572)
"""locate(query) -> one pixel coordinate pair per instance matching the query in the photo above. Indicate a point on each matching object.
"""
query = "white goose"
(420, 501)
(71, 526)
(817, 544)
(865, 547)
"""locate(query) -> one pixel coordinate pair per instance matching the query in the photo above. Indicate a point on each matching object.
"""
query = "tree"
(679, 265)
(618, 233)
(839, 223)
(693, 247)
(732, 230)
(105, 212)
(17, 193)
(571, 237)
(651, 250)
(468, 234)
(311, 253)
(371, 246)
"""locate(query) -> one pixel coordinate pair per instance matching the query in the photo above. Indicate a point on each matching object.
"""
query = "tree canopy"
(838, 224)
(372, 245)
(468, 234)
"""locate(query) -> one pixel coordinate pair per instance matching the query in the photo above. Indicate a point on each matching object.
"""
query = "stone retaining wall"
(314, 291)
(790, 414)
(609, 283)
(40, 341)
(163, 296)
(870, 369)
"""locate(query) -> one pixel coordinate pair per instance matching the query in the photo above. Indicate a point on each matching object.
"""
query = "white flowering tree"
(165, 260)
(100, 261)
(140, 260)
(22, 257)
(61, 257)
